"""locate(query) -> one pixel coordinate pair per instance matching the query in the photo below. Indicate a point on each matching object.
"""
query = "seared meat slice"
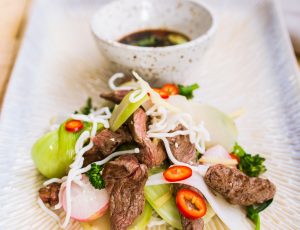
(49, 194)
(237, 187)
(184, 151)
(181, 147)
(115, 96)
(152, 152)
(188, 224)
(125, 179)
(105, 142)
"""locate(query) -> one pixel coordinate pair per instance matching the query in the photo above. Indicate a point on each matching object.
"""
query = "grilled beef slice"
(237, 187)
(125, 179)
(105, 142)
(181, 147)
(49, 194)
(152, 152)
(115, 96)
(184, 151)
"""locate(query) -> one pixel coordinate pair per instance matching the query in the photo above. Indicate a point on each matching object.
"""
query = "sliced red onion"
(217, 152)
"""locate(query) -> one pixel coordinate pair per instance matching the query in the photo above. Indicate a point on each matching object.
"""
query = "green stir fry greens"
(95, 176)
(251, 165)
(253, 212)
(87, 108)
(188, 90)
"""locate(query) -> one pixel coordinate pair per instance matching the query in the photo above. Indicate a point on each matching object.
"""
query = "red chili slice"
(73, 125)
(162, 93)
(177, 173)
(234, 157)
(170, 89)
(190, 204)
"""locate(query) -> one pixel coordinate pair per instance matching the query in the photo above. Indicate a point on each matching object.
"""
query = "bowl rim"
(200, 39)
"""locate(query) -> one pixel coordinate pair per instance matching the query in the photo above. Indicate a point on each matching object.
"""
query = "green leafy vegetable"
(163, 202)
(253, 212)
(188, 90)
(124, 110)
(44, 152)
(198, 155)
(149, 41)
(55, 151)
(87, 108)
(95, 176)
(251, 165)
(161, 199)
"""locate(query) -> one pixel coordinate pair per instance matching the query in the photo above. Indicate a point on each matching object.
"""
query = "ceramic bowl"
(169, 64)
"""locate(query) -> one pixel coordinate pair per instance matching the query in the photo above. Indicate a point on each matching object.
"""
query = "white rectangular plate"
(249, 65)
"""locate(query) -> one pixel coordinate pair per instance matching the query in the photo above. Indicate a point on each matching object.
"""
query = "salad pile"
(153, 158)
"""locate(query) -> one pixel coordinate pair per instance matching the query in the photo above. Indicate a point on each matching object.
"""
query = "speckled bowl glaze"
(170, 64)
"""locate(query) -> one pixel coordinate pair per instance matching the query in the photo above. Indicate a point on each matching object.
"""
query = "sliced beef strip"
(125, 179)
(115, 96)
(237, 187)
(49, 194)
(181, 147)
(188, 224)
(152, 151)
(105, 142)
(184, 151)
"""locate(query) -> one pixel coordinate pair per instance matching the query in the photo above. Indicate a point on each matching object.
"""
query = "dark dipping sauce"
(154, 38)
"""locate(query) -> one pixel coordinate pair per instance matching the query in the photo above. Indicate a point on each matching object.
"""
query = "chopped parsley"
(251, 165)
(188, 90)
(95, 176)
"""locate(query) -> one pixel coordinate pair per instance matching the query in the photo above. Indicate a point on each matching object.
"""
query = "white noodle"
(59, 204)
(80, 141)
(173, 134)
(80, 117)
(164, 121)
(104, 122)
(201, 169)
(108, 158)
(151, 110)
(85, 149)
(104, 112)
(47, 210)
(68, 201)
(137, 95)
(155, 97)
(165, 117)
(53, 180)
(99, 116)
(113, 78)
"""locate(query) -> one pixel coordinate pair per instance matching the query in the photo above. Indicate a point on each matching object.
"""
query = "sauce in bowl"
(155, 38)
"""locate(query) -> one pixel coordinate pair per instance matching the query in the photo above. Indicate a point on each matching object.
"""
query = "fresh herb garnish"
(253, 212)
(87, 108)
(95, 176)
(188, 90)
(149, 41)
(251, 165)
(198, 155)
